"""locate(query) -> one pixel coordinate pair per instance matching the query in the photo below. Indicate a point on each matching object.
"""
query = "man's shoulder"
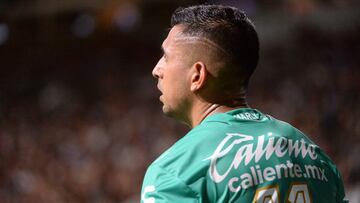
(195, 143)
(190, 153)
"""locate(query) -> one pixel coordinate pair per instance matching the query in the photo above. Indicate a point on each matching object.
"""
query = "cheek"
(175, 86)
(172, 88)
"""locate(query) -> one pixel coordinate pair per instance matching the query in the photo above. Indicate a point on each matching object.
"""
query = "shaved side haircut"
(231, 30)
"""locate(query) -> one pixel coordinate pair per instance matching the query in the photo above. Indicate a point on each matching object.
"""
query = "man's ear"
(198, 77)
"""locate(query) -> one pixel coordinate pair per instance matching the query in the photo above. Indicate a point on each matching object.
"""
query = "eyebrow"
(163, 53)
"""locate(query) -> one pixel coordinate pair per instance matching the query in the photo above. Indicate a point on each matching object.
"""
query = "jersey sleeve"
(160, 186)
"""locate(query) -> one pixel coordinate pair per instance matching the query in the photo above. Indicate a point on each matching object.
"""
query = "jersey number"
(298, 193)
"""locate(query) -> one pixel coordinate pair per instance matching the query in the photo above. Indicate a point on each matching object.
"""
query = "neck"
(205, 110)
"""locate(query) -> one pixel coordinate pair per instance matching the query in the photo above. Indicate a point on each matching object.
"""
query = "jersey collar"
(240, 114)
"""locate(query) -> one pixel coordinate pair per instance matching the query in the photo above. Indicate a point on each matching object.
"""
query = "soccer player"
(233, 153)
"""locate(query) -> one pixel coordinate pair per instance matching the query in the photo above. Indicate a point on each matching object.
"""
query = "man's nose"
(156, 72)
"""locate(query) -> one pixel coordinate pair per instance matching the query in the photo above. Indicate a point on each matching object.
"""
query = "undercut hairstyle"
(230, 29)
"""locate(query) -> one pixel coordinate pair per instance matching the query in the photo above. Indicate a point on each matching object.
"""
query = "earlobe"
(198, 77)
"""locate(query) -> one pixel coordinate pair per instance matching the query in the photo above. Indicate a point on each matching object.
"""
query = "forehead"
(173, 34)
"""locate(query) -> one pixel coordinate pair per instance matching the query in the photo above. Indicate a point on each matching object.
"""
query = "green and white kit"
(243, 156)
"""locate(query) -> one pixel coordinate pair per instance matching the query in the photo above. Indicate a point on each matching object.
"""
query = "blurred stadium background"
(80, 118)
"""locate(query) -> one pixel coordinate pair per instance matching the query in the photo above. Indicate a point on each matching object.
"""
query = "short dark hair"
(229, 28)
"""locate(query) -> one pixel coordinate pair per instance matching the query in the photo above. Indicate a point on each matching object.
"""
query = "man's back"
(243, 156)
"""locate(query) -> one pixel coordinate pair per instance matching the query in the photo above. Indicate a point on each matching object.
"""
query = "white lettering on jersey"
(247, 153)
(247, 116)
(258, 175)
(148, 189)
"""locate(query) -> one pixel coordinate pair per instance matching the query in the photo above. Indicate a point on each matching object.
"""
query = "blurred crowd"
(80, 118)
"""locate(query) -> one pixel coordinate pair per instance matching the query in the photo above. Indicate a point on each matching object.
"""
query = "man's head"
(209, 55)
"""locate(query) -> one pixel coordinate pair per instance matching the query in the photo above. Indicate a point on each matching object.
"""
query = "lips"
(160, 97)
(158, 86)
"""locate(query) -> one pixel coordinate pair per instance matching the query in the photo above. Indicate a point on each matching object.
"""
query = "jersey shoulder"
(191, 150)
(180, 172)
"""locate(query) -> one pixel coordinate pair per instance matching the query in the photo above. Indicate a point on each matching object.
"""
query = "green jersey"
(243, 156)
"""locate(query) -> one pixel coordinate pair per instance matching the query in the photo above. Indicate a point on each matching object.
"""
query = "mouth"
(161, 94)
(158, 87)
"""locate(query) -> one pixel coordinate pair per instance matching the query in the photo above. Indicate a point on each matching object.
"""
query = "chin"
(166, 111)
